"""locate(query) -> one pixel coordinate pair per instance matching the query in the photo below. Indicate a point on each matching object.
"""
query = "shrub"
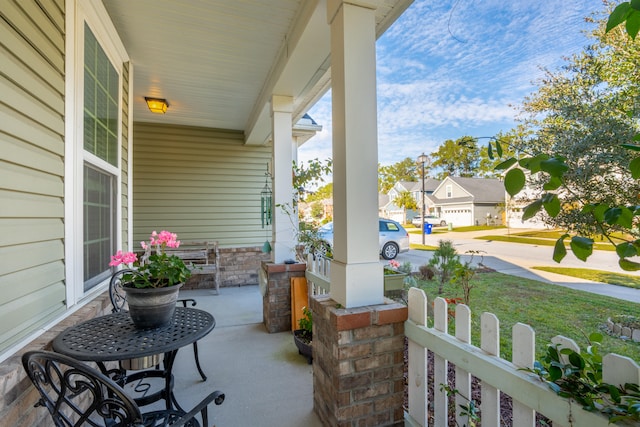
(426, 272)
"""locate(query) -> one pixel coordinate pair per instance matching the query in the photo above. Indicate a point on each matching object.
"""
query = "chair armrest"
(184, 301)
(217, 397)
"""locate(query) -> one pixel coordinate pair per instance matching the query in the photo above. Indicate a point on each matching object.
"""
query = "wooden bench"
(201, 258)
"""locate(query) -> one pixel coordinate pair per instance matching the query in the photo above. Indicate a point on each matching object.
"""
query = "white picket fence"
(496, 375)
(318, 274)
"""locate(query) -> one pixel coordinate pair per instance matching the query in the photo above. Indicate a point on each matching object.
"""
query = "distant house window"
(449, 191)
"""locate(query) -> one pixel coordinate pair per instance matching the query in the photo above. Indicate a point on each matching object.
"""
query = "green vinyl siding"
(32, 282)
(203, 184)
(124, 158)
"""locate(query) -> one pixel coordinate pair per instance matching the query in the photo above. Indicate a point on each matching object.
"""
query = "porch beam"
(356, 274)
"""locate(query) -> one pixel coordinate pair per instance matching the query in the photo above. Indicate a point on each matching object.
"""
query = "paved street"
(517, 259)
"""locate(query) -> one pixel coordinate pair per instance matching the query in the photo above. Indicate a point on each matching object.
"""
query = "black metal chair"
(78, 395)
(119, 302)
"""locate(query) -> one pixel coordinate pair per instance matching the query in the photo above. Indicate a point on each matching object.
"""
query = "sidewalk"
(518, 266)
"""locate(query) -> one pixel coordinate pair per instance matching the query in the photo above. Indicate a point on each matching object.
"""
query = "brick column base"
(358, 357)
(276, 294)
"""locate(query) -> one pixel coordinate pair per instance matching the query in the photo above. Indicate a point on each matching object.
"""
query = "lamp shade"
(157, 105)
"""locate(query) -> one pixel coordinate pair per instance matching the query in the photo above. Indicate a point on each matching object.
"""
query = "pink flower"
(394, 264)
(123, 258)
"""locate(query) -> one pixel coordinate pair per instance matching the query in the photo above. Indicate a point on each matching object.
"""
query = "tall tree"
(324, 192)
(405, 201)
(580, 152)
(404, 170)
(457, 158)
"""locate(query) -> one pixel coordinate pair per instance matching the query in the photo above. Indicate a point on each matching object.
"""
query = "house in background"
(469, 201)
(388, 209)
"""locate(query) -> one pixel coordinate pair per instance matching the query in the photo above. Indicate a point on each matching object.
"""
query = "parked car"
(429, 219)
(393, 238)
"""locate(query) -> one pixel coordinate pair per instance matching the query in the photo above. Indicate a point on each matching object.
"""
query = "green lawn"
(518, 238)
(550, 309)
(596, 276)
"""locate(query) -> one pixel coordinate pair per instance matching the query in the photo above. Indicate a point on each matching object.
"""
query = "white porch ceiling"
(218, 62)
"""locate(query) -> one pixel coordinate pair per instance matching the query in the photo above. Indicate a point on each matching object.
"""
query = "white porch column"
(284, 226)
(356, 274)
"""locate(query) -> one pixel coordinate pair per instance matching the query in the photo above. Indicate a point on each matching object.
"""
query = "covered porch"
(265, 380)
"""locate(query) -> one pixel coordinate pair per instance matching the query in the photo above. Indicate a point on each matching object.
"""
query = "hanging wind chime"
(266, 208)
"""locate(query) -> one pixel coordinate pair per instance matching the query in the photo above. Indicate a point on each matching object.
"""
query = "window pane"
(99, 223)
(101, 83)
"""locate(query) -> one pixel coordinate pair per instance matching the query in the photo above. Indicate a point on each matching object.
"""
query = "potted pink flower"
(151, 282)
(393, 278)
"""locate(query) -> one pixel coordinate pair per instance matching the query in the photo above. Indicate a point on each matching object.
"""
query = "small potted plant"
(303, 336)
(152, 282)
(393, 277)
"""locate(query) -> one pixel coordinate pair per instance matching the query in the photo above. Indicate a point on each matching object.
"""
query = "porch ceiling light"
(157, 105)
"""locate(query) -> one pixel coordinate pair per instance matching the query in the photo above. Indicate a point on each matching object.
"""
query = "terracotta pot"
(152, 307)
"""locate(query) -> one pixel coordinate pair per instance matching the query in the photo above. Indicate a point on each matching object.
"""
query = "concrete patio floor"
(265, 380)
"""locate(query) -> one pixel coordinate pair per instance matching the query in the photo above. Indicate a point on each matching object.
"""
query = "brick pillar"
(358, 357)
(276, 294)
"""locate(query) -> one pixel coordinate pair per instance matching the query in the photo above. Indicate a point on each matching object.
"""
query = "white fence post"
(463, 378)
(490, 343)
(524, 349)
(417, 369)
(620, 370)
(440, 366)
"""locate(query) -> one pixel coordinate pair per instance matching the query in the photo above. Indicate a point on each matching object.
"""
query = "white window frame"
(448, 189)
(95, 16)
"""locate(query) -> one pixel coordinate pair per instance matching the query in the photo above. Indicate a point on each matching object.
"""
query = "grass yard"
(596, 276)
(518, 238)
(549, 309)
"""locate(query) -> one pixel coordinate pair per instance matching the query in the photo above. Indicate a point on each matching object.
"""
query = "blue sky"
(452, 68)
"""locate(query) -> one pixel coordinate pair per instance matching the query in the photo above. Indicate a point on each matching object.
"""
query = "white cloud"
(449, 69)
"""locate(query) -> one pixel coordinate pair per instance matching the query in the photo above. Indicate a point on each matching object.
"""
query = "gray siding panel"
(203, 184)
(32, 282)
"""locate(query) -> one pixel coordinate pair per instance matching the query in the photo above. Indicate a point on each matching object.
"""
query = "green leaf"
(626, 218)
(507, 164)
(533, 163)
(576, 360)
(633, 147)
(618, 16)
(634, 167)
(554, 166)
(599, 212)
(514, 181)
(596, 337)
(553, 184)
(633, 24)
(551, 204)
(498, 148)
(490, 150)
(627, 265)
(611, 215)
(531, 210)
(626, 250)
(582, 247)
(559, 251)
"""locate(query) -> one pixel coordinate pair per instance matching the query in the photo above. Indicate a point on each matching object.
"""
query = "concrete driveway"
(518, 259)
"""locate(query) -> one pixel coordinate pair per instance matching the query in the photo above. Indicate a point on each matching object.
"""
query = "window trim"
(97, 19)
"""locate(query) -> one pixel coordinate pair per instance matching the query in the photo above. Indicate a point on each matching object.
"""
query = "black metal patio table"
(113, 337)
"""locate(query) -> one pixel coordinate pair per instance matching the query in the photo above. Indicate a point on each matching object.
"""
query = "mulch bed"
(506, 406)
